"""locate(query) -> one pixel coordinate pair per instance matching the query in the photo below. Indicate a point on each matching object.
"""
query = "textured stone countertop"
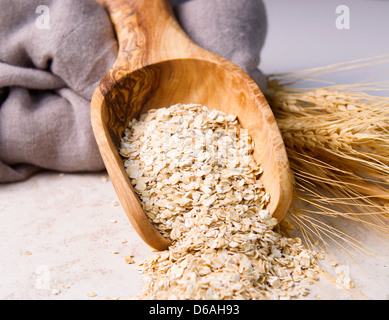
(74, 231)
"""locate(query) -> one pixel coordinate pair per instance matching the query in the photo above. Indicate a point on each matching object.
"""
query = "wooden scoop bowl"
(158, 66)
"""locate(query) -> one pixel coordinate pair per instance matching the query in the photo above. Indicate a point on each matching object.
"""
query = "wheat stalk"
(337, 140)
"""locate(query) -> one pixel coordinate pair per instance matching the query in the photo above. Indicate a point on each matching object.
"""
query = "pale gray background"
(302, 34)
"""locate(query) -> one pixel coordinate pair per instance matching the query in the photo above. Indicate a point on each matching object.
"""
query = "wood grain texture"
(158, 66)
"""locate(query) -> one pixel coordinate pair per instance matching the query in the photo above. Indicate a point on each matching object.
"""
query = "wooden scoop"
(158, 66)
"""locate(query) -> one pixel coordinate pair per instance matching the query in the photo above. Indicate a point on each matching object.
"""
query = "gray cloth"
(48, 76)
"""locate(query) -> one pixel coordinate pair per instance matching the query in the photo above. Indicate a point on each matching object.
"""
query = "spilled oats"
(198, 183)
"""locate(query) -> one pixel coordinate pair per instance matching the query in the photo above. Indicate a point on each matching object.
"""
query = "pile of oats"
(194, 173)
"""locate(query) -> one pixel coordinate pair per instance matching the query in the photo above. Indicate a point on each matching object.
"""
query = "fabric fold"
(47, 79)
(14, 76)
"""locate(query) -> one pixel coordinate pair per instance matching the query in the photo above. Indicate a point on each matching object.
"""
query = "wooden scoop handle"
(148, 33)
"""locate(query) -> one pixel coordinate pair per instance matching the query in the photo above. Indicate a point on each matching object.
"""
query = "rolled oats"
(199, 185)
(91, 294)
(129, 259)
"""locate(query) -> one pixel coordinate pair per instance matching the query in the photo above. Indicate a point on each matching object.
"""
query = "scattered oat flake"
(56, 292)
(104, 178)
(129, 259)
(115, 203)
(91, 294)
(112, 221)
(112, 298)
(343, 279)
(319, 256)
(27, 253)
(333, 264)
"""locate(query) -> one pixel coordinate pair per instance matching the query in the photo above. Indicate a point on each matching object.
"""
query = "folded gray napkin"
(53, 53)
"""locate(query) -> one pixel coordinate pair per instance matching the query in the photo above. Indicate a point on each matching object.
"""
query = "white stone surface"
(67, 223)
(70, 225)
